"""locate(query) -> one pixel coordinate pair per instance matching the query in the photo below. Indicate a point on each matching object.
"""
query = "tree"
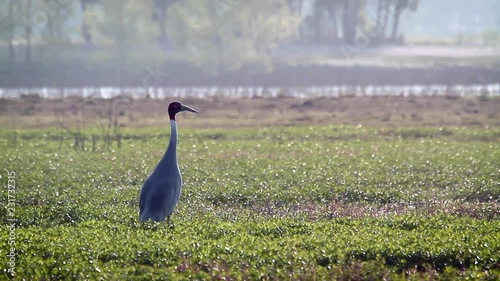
(332, 9)
(29, 31)
(399, 7)
(121, 22)
(56, 16)
(221, 36)
(43, 21)
(87, 36)
(322, 9)
(51, 29)
(385, 19)
(8, 24)
(295, 7)
(378, 24)
(350, 20)
(159, 14)
(125, 31)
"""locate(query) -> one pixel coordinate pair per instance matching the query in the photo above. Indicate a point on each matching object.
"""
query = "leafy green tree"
(125, 31)
(226, 35)
(51, 28)
(25, 21)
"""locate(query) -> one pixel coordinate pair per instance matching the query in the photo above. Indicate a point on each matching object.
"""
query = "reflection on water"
(238, 92)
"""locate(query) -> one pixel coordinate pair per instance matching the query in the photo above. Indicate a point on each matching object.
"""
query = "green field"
(301, 203)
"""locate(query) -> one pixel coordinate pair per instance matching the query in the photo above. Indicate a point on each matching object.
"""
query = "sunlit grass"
(273, 203)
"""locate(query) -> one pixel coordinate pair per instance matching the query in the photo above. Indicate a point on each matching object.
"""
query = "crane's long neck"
(172, 145)
(170, 157)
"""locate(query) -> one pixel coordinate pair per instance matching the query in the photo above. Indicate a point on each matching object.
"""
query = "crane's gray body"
(162, 189)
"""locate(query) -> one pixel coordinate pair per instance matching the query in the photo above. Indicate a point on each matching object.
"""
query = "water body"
(489, 90)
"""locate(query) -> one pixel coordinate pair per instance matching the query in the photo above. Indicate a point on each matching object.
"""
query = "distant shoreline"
(181, 75)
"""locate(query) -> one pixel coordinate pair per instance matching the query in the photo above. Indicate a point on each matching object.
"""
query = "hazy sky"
(450, 17)
(444, 17)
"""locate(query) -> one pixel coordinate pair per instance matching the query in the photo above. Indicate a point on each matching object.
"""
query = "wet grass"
(319, 202)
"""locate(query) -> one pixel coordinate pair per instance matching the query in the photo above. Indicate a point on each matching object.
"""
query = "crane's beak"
(187, 108)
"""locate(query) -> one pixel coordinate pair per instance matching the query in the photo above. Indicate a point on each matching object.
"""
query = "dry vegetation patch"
(384, 111)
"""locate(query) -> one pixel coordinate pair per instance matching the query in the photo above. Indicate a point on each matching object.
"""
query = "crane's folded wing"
(160, 195)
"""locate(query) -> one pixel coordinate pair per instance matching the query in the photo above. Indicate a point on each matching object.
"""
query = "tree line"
(214, 34)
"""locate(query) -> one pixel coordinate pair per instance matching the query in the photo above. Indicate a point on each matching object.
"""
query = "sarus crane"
(162, 189)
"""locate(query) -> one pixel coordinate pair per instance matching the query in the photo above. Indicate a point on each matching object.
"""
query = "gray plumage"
(162, 189)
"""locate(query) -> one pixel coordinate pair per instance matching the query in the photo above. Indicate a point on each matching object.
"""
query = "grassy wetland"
(274, 189)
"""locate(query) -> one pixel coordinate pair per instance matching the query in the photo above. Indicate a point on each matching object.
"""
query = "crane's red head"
(176, 107)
